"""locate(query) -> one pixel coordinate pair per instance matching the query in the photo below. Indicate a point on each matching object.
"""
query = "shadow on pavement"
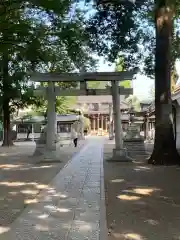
(143, 201)
(21, 180)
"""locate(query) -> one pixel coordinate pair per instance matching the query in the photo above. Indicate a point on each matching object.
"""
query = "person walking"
(28, 132)
(74, 137)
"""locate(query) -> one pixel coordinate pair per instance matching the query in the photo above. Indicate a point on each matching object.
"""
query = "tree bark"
(7, 141)
(165, 152)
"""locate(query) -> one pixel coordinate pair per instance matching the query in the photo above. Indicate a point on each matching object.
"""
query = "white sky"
(141, 85)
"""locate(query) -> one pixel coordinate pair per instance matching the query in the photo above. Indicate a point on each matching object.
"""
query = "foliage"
(164, 152)
(152, 92)
(63, 105)
(97, 84)
(146, 54)
(119, 67)
(86, 123)
(46, 36)
(125, 84)
(127, 30)
(133, 102)
(114, 28)
(174, 78)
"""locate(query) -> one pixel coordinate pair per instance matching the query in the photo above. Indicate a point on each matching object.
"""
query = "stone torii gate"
(50, 93)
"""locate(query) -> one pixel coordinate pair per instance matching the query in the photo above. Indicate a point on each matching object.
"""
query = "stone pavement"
(71, 206)
(22, 177)
(143, 201)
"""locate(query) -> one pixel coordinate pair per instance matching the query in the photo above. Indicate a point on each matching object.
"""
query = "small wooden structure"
(32, 124)
(35, 124)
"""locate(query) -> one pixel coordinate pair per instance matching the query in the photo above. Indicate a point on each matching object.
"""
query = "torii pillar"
(46, 145)
(119, 152)
(51, 118)
(111, 131)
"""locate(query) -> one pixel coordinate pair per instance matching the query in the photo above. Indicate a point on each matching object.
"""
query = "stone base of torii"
(48, 148)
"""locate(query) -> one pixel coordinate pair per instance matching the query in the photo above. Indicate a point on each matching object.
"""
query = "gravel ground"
(142, 201)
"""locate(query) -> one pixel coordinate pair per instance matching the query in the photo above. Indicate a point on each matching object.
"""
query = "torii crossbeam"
(50, 92)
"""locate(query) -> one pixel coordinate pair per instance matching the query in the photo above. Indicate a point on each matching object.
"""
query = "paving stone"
(70, 207)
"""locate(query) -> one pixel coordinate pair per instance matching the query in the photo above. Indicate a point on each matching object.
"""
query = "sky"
(141, 85)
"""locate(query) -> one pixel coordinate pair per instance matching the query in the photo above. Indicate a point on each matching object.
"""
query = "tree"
(63, 105)
(86, 123)
(133, 102)
(174, 78)
(152, 92)
(114, 28)
(119, 68)
(129, 31)
(148, 38)
(94, 84)
(161, 48)
(41, 36)
(165, 151)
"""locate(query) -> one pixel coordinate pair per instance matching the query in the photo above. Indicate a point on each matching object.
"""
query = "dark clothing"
(28, 132)
(75, 142)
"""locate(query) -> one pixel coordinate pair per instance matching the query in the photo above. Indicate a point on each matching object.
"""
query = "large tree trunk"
(165, 152)
(7, 141)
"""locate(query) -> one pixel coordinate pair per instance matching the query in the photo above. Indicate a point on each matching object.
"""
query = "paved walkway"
(22, 177)
(71, 207)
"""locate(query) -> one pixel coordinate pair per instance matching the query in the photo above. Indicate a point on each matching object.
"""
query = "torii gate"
(50, 92)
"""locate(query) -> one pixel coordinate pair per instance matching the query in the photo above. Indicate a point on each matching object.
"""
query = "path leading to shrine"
(142, 201)
(22, 176)
(72, 206)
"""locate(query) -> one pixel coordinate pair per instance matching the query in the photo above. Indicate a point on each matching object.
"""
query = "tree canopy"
(124, 29)
(119, 67)
(115, 28)
(38, 35)
(133, 102)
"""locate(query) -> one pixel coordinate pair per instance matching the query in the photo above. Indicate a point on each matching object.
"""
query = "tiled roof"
(96, 99)
(103, 107)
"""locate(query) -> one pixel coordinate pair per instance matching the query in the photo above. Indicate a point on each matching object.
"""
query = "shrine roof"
(97, 107)
(97, 99)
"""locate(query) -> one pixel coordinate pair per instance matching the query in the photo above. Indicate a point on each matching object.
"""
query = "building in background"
(96, 108)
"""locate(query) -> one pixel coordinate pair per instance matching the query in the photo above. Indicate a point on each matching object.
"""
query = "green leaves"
(114, 27)
(134, 103)
(41, 36)
(119, 67)
(119, 28)
(126, 84)
(148, 38)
